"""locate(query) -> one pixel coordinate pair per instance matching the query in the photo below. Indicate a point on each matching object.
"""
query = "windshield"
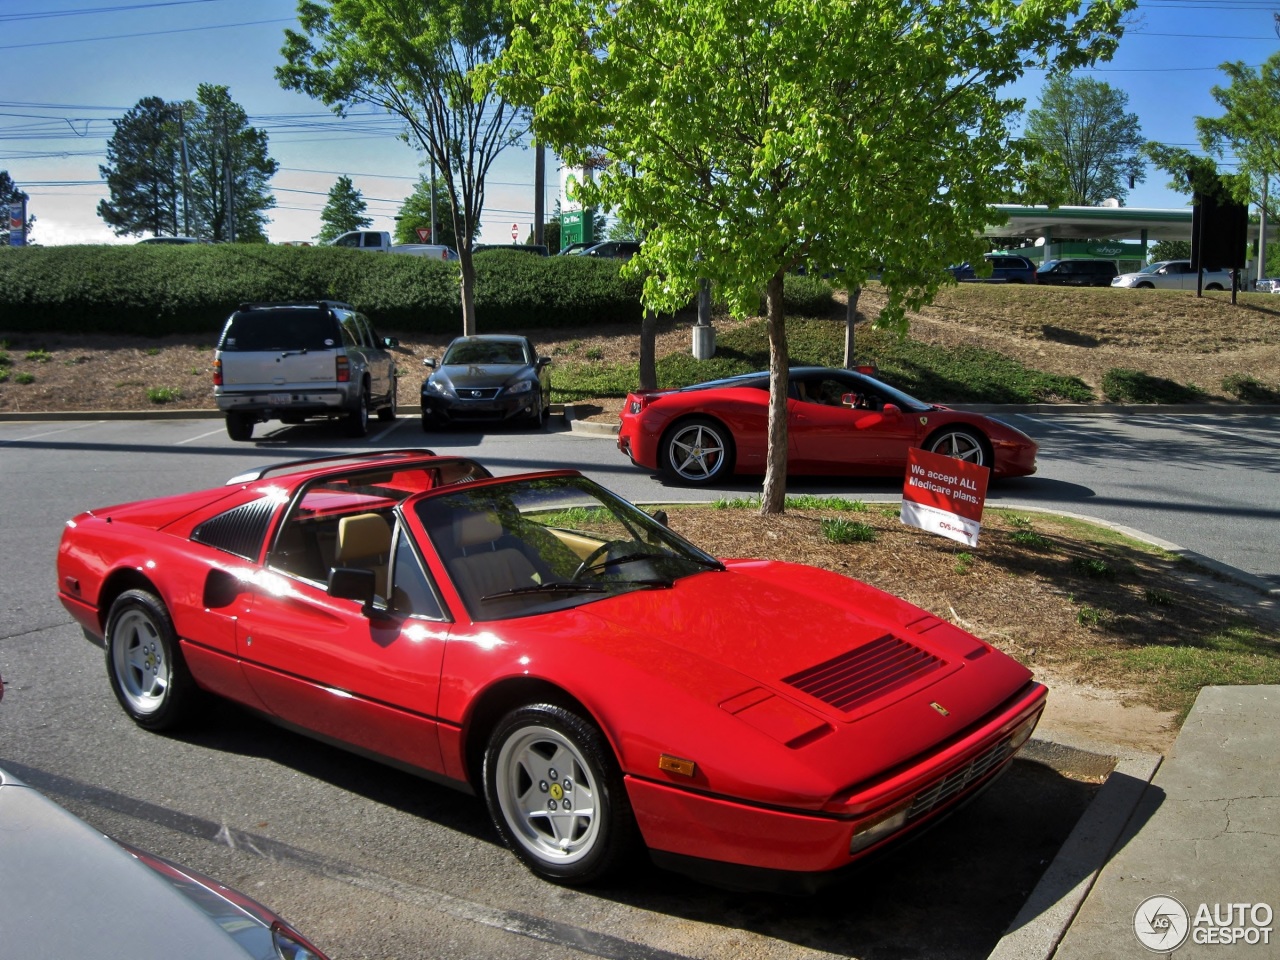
(485, 351)
(540, 544)
(1152, 267)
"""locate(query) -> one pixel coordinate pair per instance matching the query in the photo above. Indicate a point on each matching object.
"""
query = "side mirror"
(891, 410)
(543, 362)
(660, 516)
(391, 342)
(355, 583)
(429, 362)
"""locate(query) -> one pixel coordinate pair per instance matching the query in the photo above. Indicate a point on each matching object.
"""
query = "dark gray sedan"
(490, 378)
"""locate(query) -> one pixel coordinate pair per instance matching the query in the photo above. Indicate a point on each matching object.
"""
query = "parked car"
(601, 682)
(1077, 273)
(1174, 275)
(487, 378)
(68, 891)
(292, 361)
(838, 422)
(575, 248)
(614, 249)
(1005, 268)
(171, 240)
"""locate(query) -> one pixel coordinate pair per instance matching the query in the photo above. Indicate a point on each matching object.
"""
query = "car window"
(351, 240)
(484, 351)
(279, 330)
(826, 391)
(350, 331)
(412, 593)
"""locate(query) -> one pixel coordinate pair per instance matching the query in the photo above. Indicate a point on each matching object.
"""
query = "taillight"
(344, 370)
(217, 373)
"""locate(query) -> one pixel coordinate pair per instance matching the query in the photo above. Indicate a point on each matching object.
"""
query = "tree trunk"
(850, 317)
(773, 498)
(649, 351)
(468, 291)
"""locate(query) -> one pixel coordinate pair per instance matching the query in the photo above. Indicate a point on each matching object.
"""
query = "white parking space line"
(1050, 424)
(1196, 424)
(201, 436)
(50, 433)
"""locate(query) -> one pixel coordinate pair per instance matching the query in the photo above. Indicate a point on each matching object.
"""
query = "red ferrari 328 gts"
(838, 423)
(605, 685)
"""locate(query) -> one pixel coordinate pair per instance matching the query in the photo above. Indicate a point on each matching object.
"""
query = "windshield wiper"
(607, 562)
(555, 586)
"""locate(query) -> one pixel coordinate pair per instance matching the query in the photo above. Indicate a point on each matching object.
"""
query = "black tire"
(148, 673)
(962, 443)
(388, 413)
(538, 757)
(1145, 286)
(358, 417)
(696, 450)
(538, 419)
(239, 426)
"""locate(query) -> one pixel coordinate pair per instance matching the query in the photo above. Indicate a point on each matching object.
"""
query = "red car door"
(828, 436)
(370, 681)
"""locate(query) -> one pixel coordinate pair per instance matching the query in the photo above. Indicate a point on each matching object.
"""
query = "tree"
(144, 171)
(752, 137)
(344, 211)
(230, 168)
(418, 60)
(1169, 250)
(1090, 146)
(9, 193)
(416, 213)
(1248, 131)
(153, 191)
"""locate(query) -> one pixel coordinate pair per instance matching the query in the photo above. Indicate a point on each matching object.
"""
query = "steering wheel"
(597, 554)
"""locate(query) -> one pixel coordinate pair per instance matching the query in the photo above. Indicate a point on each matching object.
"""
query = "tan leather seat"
(482, 568)
(364, 541)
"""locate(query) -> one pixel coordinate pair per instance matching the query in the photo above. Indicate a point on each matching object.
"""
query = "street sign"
(944, 495)
(424, 234)
(515, 231)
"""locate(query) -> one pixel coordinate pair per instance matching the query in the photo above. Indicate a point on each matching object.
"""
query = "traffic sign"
(515, 231)
(424, 234)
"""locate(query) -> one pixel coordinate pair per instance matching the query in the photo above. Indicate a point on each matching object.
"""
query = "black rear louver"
(240, 530)
(852, 679)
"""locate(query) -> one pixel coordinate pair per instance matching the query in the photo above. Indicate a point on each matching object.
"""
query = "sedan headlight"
(435, 386)
(523, 386)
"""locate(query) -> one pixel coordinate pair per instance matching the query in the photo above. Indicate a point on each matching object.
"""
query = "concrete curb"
(1048, 912)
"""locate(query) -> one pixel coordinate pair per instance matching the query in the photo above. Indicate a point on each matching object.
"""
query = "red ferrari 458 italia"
(838, 422)
(605, 685)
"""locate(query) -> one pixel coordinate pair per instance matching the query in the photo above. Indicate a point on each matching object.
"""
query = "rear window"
(280, 330)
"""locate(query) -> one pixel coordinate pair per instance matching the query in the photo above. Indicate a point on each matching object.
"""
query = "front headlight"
(524, 386)
(1122, 282)
(435, 386)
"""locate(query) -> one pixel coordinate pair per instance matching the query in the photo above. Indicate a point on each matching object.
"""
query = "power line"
(151, 33)
(86, 11)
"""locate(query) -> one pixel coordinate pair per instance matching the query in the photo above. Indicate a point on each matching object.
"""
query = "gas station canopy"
(1098, 223)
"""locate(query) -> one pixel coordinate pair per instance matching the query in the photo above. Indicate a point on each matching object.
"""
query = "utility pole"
(539, 192)
(186, 169)
(231, 186)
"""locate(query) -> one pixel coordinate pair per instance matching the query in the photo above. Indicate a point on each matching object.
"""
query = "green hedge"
(160, 289)
(154, 289)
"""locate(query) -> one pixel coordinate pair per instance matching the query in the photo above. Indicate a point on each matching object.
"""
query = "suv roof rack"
(297, 466)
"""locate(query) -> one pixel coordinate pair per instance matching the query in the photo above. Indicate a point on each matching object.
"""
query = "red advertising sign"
(944, 495)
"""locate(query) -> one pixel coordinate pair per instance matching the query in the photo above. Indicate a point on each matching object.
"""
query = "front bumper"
(446, 409)
(681, 826)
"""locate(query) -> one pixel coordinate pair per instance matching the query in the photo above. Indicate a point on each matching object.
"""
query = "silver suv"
(1174, 275)
(291, 361)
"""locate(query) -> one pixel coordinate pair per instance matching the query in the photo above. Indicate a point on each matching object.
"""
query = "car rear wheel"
(239, 426)
(148, 673)
(961, 443)
(358, 418)
(556, 796)
(697, 451)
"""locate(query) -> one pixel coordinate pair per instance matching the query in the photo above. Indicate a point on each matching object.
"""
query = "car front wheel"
(145, 664)
(961, 443)
(556, 796)
(697, 451)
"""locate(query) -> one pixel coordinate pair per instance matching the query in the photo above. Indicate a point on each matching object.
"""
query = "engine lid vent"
(852, 679)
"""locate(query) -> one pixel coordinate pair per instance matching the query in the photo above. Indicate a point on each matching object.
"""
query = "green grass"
(24, 377)
(840, 530)
(39, 356)
(798, 502)
(1236, 655)
(164, 394)
(933, 373)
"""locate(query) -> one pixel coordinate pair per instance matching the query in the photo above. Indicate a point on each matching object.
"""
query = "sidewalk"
(1204, 831)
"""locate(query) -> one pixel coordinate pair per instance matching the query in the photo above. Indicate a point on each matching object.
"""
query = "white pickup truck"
(379, 241)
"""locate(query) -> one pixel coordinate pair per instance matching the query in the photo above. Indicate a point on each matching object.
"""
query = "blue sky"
(71, 66)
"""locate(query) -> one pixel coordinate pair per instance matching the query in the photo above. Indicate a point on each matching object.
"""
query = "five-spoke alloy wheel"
(697, 450)
(556, 796)
(148, 674)
(961, 443)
